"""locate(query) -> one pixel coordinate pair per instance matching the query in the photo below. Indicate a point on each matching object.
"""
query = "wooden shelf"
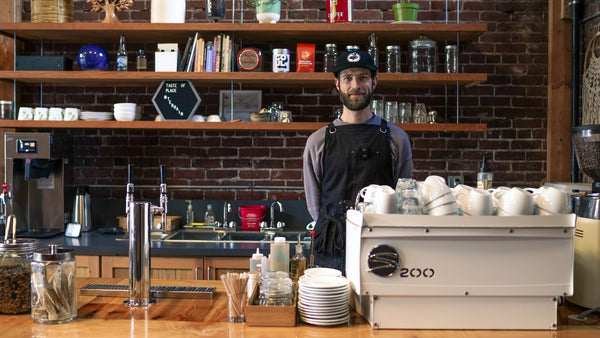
(253, 79)
(226, 126)
(286, 33)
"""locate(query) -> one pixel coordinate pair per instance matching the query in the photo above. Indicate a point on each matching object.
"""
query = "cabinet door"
(160, 267)
(214, 267)
(88, 266)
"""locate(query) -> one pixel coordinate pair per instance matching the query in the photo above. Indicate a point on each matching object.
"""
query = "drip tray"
(119, 290)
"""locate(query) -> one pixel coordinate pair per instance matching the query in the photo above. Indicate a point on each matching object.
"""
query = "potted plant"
(405, 11)
(267, 11)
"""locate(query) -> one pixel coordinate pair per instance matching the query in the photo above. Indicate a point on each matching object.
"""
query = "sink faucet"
(272, 225)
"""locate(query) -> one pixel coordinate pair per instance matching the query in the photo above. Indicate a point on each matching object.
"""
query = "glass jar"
(53, 285)
(422, 54)
(329, 57)
(420, 113)
(15, 274)
(392, 59)
(276, 289)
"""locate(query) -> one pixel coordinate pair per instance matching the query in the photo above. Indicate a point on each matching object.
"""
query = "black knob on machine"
(383, 260)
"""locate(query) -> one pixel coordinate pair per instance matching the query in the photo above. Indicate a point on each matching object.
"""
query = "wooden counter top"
(173, 318)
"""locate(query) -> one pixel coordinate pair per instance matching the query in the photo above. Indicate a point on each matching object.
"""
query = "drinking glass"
(405, 112)
(391, 111)
(409, 197)
(377, 108)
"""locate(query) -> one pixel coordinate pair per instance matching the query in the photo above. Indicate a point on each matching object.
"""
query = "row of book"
(206, 54)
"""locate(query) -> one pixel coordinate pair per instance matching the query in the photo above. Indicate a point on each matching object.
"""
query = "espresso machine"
(586, 282)
(34, 180)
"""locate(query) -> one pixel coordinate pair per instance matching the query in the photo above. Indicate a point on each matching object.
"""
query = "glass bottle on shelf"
(373, 51)
(122, 55)
(141, 63)
(329, 57)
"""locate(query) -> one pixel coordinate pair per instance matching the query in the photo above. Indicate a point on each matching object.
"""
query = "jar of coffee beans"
(15, 274)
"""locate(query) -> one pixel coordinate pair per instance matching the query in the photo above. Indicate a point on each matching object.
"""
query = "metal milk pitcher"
(82, 212)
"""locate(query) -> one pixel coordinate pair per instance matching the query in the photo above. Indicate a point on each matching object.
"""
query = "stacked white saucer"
(323, 297)
(95, 116)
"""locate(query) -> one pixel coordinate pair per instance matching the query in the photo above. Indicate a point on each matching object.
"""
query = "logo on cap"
(353, 57)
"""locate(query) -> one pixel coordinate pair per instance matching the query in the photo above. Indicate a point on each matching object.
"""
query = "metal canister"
(15, 274)
(281, 60)
(250, 60)
(53, 285)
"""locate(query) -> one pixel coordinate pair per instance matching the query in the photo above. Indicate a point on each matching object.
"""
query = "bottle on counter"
(189, 215)
(279, 259)
(298, 262)
(141, 63)
(255, 260)
(122, 55)
(484, 176)
(209, 217)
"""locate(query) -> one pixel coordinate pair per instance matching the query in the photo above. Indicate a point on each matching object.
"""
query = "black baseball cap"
(354, 59)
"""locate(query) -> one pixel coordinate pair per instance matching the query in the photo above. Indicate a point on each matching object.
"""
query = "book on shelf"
(184, 55)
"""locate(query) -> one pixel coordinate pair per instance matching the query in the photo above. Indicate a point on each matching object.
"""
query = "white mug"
(55, 114)
(433, 188)
(513, 202)
(550, 201)
(385, 200)
(475, 202)
(40, 113)
(71, 114)
(25, 113)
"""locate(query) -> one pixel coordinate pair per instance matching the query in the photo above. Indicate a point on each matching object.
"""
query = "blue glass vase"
(92, 57)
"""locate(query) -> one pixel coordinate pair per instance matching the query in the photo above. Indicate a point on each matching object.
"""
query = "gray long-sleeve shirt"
(313, 160)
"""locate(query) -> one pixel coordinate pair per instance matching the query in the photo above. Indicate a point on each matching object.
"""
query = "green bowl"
(405, 11)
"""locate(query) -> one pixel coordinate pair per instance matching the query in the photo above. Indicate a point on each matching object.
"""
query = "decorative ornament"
(110, 7)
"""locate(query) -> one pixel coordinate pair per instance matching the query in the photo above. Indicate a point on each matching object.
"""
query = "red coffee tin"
(339, 11)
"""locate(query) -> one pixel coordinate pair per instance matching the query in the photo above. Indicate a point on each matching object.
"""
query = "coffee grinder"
(586, 286)
(35, 184)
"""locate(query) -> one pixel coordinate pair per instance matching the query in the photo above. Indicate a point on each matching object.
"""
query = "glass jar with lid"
(53, 285)
(329, 57)
(392, 59)
(276, 289)
(422, 55)
(15, 274)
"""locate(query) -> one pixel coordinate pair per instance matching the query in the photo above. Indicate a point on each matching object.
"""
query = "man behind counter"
(353, 151)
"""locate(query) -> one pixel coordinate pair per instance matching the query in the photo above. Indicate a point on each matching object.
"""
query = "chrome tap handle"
(129, 188)
(163, 196)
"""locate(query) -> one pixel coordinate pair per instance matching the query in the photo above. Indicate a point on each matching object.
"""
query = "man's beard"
(356, 104)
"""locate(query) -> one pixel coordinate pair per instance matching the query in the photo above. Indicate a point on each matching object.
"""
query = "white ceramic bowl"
(122, 116)
(126, 105)
(213, 118)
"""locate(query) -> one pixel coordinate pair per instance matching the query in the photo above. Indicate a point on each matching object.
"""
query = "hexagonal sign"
(176, 100)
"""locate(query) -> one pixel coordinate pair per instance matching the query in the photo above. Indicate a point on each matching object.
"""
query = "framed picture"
(243, 101)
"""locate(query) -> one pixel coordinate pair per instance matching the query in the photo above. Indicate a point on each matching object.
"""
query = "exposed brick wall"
(512, 103)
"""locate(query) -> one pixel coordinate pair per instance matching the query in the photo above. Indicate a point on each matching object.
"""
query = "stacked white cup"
(379, 199)
(513, 201)
(472, 201)
(550, 201)
(438, 197)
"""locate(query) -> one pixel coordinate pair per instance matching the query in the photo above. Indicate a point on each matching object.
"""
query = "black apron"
(355, 156)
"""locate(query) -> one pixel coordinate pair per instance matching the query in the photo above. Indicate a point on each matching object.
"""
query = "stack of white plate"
(323, 297)
(95, 116)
